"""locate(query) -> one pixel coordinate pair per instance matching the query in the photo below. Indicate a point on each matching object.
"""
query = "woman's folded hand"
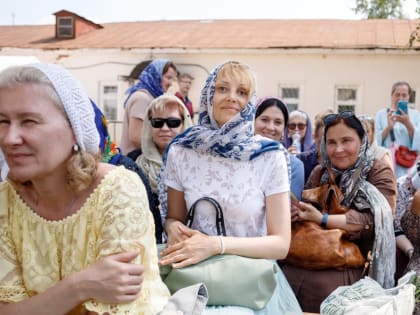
(195, 248)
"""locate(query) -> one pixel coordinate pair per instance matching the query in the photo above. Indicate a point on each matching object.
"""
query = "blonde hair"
(82, 166)
(240, 73)
(161, 103)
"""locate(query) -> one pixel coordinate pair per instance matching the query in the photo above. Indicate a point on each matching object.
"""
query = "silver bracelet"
(222, 245)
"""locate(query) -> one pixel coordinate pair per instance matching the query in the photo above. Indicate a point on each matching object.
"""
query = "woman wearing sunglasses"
(166, 117)
(300, 124)
(369, 192)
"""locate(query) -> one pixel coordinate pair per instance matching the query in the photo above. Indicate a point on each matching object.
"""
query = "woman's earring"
(75, 148)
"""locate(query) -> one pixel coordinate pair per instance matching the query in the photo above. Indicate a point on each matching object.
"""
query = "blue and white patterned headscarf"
(150, 79)
(235, 139)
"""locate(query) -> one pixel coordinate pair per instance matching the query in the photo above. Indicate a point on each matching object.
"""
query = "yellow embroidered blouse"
(36, 253)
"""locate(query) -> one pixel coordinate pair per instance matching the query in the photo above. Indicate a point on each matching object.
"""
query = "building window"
(108, 97)
(346, 98)
(412, 99)
(65, 27)
(291, 95)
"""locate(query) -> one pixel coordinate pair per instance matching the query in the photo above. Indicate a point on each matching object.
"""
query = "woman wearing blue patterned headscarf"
(245, 173)
(154, 80)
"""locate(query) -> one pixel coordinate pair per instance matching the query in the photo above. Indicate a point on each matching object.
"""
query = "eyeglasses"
(331, 118)
(293, 126)
(171, 122)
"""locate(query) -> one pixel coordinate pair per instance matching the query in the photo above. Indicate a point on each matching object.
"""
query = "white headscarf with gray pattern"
(361, 194)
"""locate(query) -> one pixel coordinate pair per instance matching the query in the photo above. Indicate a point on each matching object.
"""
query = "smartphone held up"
(402, 106)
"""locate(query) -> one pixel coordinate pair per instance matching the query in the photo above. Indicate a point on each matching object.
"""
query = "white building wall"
(316, 71)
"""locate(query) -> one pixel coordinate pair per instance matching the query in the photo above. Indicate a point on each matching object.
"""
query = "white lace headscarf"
(76, 104)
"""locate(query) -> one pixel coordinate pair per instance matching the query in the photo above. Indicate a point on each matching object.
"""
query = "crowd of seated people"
(74, 220)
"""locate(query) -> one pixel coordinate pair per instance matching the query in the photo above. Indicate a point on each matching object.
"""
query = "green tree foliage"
(415, 37)
(380, 9)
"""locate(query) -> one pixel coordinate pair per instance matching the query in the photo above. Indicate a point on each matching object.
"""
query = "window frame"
(354, 103)
(114, 97)
(289, 101)
(62, 27)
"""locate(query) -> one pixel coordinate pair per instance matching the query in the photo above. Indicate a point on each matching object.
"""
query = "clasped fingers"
(188, 252)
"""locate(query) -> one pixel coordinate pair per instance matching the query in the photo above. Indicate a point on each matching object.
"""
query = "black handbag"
(220, 220)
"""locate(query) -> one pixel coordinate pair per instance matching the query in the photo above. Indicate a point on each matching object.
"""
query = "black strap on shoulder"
(220, 221)
(392, 135)
(391, 132)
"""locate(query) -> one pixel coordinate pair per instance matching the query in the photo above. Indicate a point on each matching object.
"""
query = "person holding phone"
(398, 125)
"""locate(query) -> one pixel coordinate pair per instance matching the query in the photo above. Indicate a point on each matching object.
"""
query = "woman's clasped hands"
(188, 247)
(303, 211)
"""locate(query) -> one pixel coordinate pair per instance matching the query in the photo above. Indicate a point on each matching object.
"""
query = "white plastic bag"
(367, 297)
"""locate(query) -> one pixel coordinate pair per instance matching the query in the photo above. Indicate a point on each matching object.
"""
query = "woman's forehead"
(225, 79)
(343, 130)
(297, 119)
(273, 110)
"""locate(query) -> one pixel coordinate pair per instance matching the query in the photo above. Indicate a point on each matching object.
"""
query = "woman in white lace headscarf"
(76, 235)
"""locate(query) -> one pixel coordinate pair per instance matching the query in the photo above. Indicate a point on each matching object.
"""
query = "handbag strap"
(392, 135)
(391, 132)
(220, 221)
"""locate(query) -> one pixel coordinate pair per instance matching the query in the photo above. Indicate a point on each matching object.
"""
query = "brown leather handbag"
(313, 247)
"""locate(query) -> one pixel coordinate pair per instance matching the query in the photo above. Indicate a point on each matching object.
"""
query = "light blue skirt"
(283, 302)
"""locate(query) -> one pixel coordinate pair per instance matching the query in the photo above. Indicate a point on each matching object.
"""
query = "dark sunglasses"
(331, 118)
(171, 122)
(293, 126)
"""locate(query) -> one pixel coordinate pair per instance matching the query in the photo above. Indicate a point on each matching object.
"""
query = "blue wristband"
(324, 220)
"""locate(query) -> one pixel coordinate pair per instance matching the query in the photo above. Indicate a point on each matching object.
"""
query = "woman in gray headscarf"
(368, 186)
